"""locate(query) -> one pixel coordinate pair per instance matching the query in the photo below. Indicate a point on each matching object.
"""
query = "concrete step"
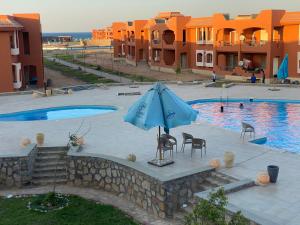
(217, 181)
(207, 186)
(44, 149)
(46, 175)
(52, 158)
(47, 169)
(224, 177)
(49, 164)
(48, 181)
(50, 153)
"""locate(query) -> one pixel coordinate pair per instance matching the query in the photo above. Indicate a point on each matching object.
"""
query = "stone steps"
(50, 153)
(50, 166)
(212, 182)
(47, 181)
(50, 157)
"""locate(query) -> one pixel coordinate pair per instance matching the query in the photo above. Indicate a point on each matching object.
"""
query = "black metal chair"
(164, 144)
(187, 139)
(172, 139)
(247, 128)
(198, 143)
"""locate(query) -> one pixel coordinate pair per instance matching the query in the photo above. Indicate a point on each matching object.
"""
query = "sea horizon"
(75, 35)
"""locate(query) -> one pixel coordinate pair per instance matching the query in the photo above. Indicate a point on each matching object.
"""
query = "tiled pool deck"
(109, 135)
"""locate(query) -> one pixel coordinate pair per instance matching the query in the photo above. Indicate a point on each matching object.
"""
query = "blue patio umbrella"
(283, 71)
(160, 107)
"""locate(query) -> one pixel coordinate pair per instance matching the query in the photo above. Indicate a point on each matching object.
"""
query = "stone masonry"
(162, 198)
(16, 171)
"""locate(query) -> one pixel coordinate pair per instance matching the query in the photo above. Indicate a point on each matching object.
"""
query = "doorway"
(183, 61)
(275, 65)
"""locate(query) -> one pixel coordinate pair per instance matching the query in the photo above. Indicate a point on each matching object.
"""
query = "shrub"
(213, 212)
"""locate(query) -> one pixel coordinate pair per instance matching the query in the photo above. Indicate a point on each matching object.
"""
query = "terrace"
(113, 139)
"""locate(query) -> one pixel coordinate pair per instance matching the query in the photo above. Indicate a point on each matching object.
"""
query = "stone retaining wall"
(16, 171)
(158, 196)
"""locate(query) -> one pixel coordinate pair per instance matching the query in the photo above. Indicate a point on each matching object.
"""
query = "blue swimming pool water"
(57, 113)
(278, 120)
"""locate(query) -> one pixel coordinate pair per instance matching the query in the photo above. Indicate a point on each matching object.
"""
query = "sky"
(84, 15)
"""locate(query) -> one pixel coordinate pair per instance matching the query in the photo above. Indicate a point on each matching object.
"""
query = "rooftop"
(9, 22)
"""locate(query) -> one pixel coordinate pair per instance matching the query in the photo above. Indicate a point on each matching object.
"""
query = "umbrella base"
(161, 163)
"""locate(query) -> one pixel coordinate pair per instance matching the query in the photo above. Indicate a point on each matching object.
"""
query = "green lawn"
(78, 74)
(79, 212)
(138, 78)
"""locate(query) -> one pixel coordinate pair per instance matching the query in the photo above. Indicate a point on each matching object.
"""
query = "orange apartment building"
(21, 63)
(102, 34)
(102, 37)
(234, 48)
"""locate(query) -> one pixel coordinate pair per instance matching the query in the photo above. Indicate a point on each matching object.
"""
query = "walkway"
(127, 207)
(115, 78)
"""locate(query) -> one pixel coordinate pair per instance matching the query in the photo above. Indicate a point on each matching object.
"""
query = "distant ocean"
(75, 35)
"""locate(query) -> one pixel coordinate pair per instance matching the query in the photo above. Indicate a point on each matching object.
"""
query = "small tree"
(213, 211)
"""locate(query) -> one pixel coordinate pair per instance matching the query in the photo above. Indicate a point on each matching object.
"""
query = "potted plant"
(229, 159)
(40, 138)
(74, 143)
(273, 173)
(76, 140)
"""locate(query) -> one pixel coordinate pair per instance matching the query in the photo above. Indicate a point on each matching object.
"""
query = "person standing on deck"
(253, 78)
(214, 76)
(263, 75)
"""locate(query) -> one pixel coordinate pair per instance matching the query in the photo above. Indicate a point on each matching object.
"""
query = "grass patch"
(79, 212)
(138, 78)
(78, 74)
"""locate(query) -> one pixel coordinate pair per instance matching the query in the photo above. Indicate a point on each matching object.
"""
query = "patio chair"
(172, 139)
(165, 145)
(198, 143)
(187, 139)
(247, 128)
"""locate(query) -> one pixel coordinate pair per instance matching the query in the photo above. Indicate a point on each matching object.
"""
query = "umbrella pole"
(160, 152)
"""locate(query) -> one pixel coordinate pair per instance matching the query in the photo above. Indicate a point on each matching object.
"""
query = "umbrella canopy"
(160, 107)
(283, 71)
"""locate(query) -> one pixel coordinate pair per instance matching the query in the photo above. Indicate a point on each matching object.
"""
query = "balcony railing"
(156, 41)
(204, 42)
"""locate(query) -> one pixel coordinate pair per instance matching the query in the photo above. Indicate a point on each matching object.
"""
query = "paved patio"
(111, 136)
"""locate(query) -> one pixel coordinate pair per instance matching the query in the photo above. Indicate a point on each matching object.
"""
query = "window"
(199, 58)
(209, 59)
(14, 73)
(26, 43)
(298, 64)
(184, 36)
(12, 44)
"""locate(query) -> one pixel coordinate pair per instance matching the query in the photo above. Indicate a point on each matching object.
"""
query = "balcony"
(16, 69)
(156, 43)
(253, 46)
(226, 46)
(15, 51)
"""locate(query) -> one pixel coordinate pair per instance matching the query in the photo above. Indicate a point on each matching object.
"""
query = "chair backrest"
(198, 143)
(246, 126)
(187, 136)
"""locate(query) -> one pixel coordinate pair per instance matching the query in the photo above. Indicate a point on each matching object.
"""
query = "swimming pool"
(278, 120)
(57, 113)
